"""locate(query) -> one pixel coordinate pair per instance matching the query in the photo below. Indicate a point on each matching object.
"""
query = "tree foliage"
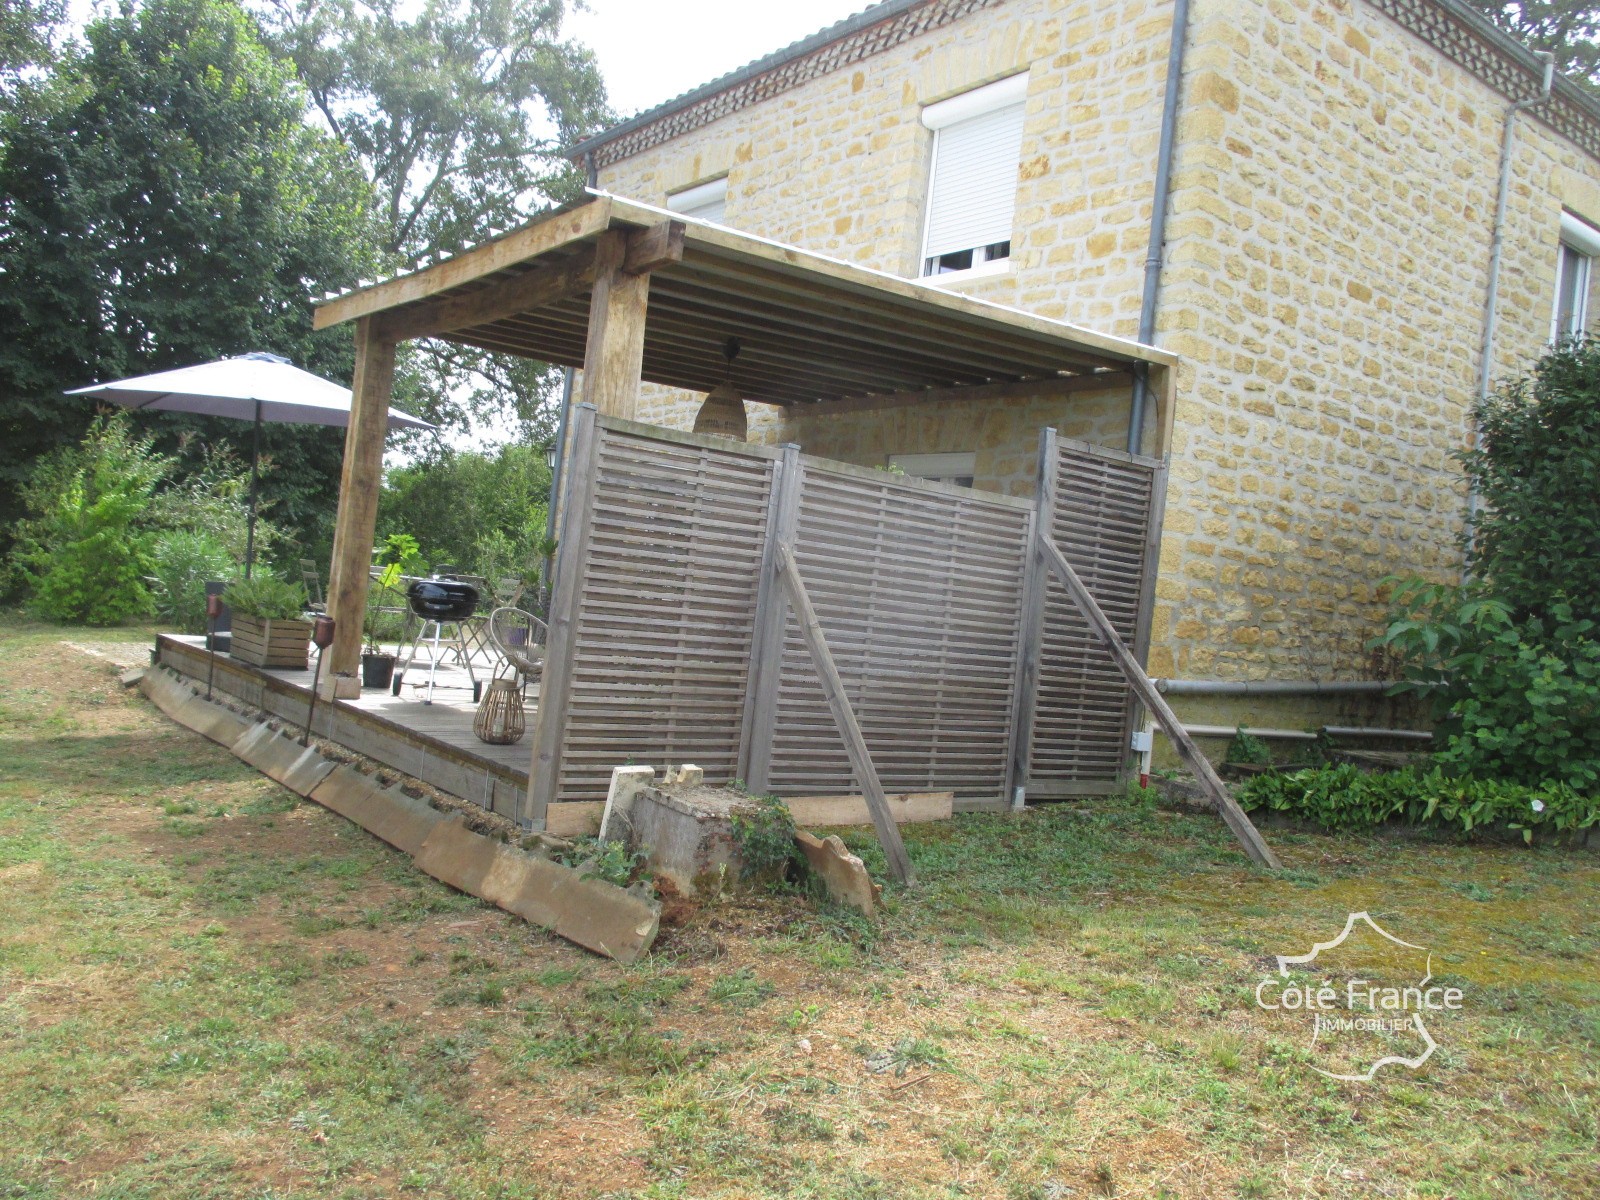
(458, 112)
(162, 203)
(1567, 28)
(476, 512)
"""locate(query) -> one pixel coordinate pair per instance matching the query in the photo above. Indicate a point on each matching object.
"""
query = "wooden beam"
(360, 480)
(658, 246)
(844, 716)
(1022, 389)
(1249, 837)
(613, 359)
(535, 288)
(538, 237)
(577, 518)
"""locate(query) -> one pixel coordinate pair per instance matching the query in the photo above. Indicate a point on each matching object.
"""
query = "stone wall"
(1328, 253)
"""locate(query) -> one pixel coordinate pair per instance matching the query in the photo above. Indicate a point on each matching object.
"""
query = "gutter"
(1158, 219)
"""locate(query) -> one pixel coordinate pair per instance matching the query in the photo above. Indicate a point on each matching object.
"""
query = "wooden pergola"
(631, 293)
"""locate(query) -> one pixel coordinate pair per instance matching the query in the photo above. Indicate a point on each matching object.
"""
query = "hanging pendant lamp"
(722, 411)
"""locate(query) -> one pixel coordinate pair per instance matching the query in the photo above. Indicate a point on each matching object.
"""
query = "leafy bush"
(1512, 657)
(266, 597)
(763, 830)
(184, 563)
(86, 548)
(1245, 747)
(1346, 798)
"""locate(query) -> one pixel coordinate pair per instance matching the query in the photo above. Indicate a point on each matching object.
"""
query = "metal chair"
(315, 600)
(519, 636)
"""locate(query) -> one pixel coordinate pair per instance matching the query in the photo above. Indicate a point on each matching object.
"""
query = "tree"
(458, 111)
(25, 29)
(163, 202)
(1567, 28)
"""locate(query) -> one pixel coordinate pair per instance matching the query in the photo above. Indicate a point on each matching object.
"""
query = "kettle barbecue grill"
(444, 606)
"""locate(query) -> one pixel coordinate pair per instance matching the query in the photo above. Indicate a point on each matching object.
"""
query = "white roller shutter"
(708, 201)
(973, 191)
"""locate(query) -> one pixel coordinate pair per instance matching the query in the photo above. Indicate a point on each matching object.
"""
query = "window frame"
(1583, 240)
(941, 115)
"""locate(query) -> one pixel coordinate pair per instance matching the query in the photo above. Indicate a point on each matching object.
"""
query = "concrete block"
(687, 837)
(132, 676)
(175, 696)
(385, 812)
(591, 912)
(688, 775)
(299, 768)
(842, 873)
(626, 783)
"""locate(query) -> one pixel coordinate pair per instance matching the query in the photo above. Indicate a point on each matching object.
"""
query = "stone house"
(1325, 271)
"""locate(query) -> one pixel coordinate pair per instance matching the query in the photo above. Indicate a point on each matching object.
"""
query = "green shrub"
(1346, 798)
(266, 597)
(1512, 657)
(1247, 748)
(184, 563)
(763, 830)
(86, 548)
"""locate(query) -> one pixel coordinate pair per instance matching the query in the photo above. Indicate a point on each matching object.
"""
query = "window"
(1580, 242)
(972, 184)
(706, 201)
(942, 468)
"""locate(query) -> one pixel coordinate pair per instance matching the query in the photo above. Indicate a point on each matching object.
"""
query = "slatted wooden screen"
(661, 643)
(918, 587)
(921, 591)
(1101, 506)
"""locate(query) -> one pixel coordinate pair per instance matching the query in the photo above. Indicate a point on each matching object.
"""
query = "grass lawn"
(211, 988)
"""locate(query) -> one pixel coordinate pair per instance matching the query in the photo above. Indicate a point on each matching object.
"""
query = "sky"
(652, 50)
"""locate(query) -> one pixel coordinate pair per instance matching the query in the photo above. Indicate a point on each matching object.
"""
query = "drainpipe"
(591, 172)
(1158, 220)
(1272, 687)
(1491, 303)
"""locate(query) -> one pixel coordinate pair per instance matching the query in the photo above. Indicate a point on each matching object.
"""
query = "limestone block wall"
(1328, 252)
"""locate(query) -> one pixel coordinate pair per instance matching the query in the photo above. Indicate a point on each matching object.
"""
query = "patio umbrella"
(253, 387)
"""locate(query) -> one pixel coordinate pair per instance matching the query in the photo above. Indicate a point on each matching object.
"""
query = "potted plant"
(377, 667)
(269, 625)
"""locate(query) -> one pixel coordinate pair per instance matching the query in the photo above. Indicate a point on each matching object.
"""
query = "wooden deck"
(431, 742)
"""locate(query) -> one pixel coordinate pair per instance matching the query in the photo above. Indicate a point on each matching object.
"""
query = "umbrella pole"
(255, 472)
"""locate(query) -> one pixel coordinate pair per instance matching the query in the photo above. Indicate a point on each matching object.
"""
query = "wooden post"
(1033, 598)
(766, 646)
(613, 358)
(555, 681)
(844, 716)
(360, 481)
(1235, 816)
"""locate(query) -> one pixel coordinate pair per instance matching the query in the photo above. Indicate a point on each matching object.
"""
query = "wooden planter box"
(283, 644)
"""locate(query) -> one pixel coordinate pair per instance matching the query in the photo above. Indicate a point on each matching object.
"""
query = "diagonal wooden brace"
(1249, 837)
(844, 716)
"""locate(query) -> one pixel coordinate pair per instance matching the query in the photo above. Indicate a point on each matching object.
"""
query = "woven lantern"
(499, 720)
(722, 411)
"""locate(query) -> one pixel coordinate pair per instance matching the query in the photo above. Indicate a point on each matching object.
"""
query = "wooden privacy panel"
(662, 631)
(918, 588)
(1101, 508)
